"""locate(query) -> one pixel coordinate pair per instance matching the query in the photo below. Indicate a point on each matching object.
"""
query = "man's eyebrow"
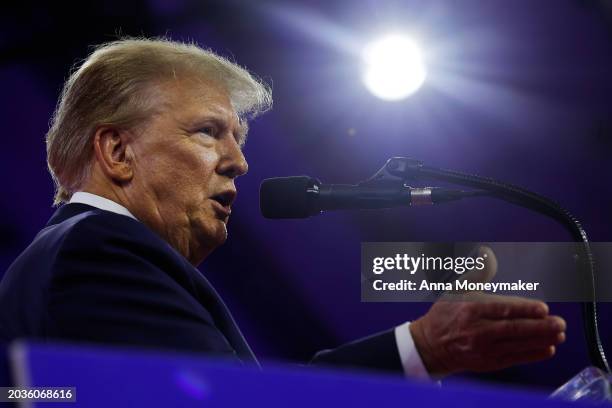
(242, 132)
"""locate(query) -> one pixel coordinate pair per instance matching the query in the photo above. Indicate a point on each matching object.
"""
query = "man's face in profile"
(185, 162)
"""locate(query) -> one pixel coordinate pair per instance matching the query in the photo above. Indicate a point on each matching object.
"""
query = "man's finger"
(489, 270)
(530, 343)
(524, 357)
(516, 329)
(498, 307)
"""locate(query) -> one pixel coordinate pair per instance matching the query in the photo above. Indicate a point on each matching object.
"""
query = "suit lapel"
(222, 316)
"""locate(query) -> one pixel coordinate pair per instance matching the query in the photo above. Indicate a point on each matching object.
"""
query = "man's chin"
(206, 242)
(214, 235)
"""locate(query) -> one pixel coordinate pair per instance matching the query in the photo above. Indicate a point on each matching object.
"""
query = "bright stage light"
(394, 67)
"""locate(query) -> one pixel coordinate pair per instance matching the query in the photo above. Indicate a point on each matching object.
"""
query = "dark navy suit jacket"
(93, 275)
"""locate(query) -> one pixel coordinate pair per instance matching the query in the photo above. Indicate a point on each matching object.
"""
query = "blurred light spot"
(394, 67)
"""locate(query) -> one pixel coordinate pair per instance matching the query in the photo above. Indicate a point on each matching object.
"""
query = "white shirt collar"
(101, 203)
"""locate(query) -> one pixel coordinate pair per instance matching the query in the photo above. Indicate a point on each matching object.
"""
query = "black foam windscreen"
(286, 197)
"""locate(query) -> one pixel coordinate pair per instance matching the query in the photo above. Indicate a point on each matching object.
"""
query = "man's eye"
(209, 131)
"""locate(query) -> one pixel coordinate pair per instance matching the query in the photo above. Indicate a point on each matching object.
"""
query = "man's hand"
(483, 332)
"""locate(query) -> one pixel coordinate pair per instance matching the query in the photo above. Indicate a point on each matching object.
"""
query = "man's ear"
(110, 150)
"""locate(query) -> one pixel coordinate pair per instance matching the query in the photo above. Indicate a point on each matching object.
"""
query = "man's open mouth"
(225, 200)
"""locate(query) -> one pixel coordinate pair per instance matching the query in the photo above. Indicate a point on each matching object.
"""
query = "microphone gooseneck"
(542, 205)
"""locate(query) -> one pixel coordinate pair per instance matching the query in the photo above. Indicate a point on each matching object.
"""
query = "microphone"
(304, 196)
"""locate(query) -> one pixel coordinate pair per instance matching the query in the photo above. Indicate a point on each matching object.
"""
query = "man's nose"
(232, 162)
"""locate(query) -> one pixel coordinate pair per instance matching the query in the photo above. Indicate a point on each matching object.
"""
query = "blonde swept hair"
(114, 85)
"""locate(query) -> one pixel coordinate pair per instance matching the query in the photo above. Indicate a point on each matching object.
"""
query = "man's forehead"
(199, 93)
(200, 97)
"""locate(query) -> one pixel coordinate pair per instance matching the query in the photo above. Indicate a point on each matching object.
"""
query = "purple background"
(517, 90)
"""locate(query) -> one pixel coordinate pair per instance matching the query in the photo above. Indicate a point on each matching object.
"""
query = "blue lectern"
(123, 377)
